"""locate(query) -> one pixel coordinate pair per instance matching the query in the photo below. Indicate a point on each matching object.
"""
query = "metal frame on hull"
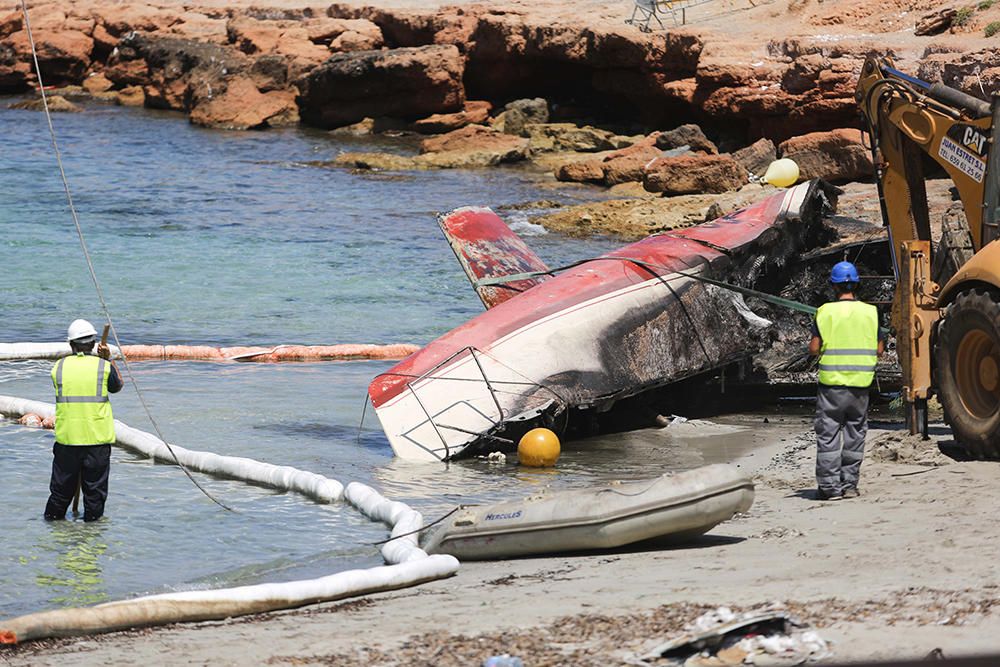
(602, 331)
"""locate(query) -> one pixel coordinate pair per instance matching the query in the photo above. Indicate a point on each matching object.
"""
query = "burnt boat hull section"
(577, 343)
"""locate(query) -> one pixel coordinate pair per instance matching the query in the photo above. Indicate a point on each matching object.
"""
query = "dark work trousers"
(841, 425)
(68, 462)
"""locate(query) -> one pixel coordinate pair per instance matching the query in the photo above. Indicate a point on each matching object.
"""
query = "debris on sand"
(723, 637)
(901, 447)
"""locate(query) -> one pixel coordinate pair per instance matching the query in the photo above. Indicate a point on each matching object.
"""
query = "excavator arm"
(907, 117)
(947, 340)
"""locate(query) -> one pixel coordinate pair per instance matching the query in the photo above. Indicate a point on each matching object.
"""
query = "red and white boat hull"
(609, 328)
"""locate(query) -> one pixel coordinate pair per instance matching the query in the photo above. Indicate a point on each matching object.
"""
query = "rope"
(746, 291)
(90, 264)
(422, 528)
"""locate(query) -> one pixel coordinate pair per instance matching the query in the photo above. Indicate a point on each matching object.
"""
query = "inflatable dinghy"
(677, 507)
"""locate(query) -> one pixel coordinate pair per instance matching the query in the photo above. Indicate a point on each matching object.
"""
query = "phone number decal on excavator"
(962, 159)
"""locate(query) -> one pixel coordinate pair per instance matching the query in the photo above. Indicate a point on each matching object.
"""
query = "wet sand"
(906, 568)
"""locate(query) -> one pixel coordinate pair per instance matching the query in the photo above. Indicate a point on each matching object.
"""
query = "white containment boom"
(284, 478)
(408, 565)
(219, 604)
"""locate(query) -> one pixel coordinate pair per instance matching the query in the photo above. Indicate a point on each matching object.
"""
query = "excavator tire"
(967, 357)
(955, 247)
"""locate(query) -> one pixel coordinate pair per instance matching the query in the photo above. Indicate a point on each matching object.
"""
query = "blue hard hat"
(844, 272)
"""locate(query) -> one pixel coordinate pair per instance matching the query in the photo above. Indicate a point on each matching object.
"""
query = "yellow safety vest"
(83, 409)
(849, 331)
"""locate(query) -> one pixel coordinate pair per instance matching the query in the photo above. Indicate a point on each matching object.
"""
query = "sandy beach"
(896, 573)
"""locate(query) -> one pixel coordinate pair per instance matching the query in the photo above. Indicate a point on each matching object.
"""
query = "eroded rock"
(628, 164)
(97, 83)
(175, 73)
(616, 167)
(971, 72)
(474, 111)
(689, 135)
(406, 83)
(838, 155)
(571, 137)
(756, 157)
(519, 113)
(243, 107)
(14, 74)
(57, 104)
(691, 174)
(581, 171)
(131, 96)
(481, 144)
(63, 55)
(935, 21)
(637, 218)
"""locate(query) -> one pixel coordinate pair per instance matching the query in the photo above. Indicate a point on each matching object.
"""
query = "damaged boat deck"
(565, 351)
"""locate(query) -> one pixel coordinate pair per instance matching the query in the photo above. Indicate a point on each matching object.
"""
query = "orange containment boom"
(344, 352)
(269, 354)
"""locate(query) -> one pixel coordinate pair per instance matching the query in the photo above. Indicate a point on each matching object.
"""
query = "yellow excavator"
(946, 309)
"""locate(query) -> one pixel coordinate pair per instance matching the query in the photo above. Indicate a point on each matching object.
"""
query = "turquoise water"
(208, 237)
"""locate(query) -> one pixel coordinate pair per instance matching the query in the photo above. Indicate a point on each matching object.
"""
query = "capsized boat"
(551, 349)
(677, 507)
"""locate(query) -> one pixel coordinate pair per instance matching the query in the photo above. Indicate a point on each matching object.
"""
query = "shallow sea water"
(225, 238)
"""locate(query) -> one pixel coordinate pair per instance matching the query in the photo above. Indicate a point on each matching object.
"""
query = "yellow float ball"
(782, 173)
(538, 448)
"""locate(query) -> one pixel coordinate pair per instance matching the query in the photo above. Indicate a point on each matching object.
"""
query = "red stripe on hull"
(666, 253)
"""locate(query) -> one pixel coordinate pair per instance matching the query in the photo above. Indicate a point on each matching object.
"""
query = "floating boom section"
(487, 248)
(613, 327)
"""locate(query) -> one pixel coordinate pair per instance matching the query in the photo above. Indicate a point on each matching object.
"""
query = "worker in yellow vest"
(85, 428)
(847, 338)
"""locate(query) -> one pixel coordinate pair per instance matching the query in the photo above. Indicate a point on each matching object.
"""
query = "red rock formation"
(977, 73)
(14, 73)
(477, 111)
(242, 107)
(776, 90)
(622, 166)
(478, 139)
(838, 155)
(63, 43)
(404, 83)
(583, 171)
(690, 174)
(689, 135)
(756, 157)
(97, 83)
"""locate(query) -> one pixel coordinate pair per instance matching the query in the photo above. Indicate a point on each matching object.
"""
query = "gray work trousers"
(841, 415)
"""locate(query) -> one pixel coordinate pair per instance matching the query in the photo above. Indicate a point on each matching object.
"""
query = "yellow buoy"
(782, 173)
(538, 448)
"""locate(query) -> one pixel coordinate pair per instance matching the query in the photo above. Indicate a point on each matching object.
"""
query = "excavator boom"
(948, 340)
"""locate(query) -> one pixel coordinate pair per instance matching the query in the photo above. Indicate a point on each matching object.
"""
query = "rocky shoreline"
(689, 112)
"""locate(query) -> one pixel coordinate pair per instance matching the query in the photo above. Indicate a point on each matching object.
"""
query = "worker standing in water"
(847, 338)
(85, 428)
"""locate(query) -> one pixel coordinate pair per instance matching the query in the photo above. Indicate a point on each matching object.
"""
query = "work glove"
(103, 351)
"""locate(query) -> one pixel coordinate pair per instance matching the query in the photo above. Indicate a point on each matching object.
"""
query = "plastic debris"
(503, 660)
(497, 457)
(722, 637)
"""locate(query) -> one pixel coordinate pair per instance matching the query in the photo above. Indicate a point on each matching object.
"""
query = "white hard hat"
(80, 329)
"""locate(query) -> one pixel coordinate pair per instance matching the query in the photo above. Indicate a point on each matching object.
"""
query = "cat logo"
(974, 139)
